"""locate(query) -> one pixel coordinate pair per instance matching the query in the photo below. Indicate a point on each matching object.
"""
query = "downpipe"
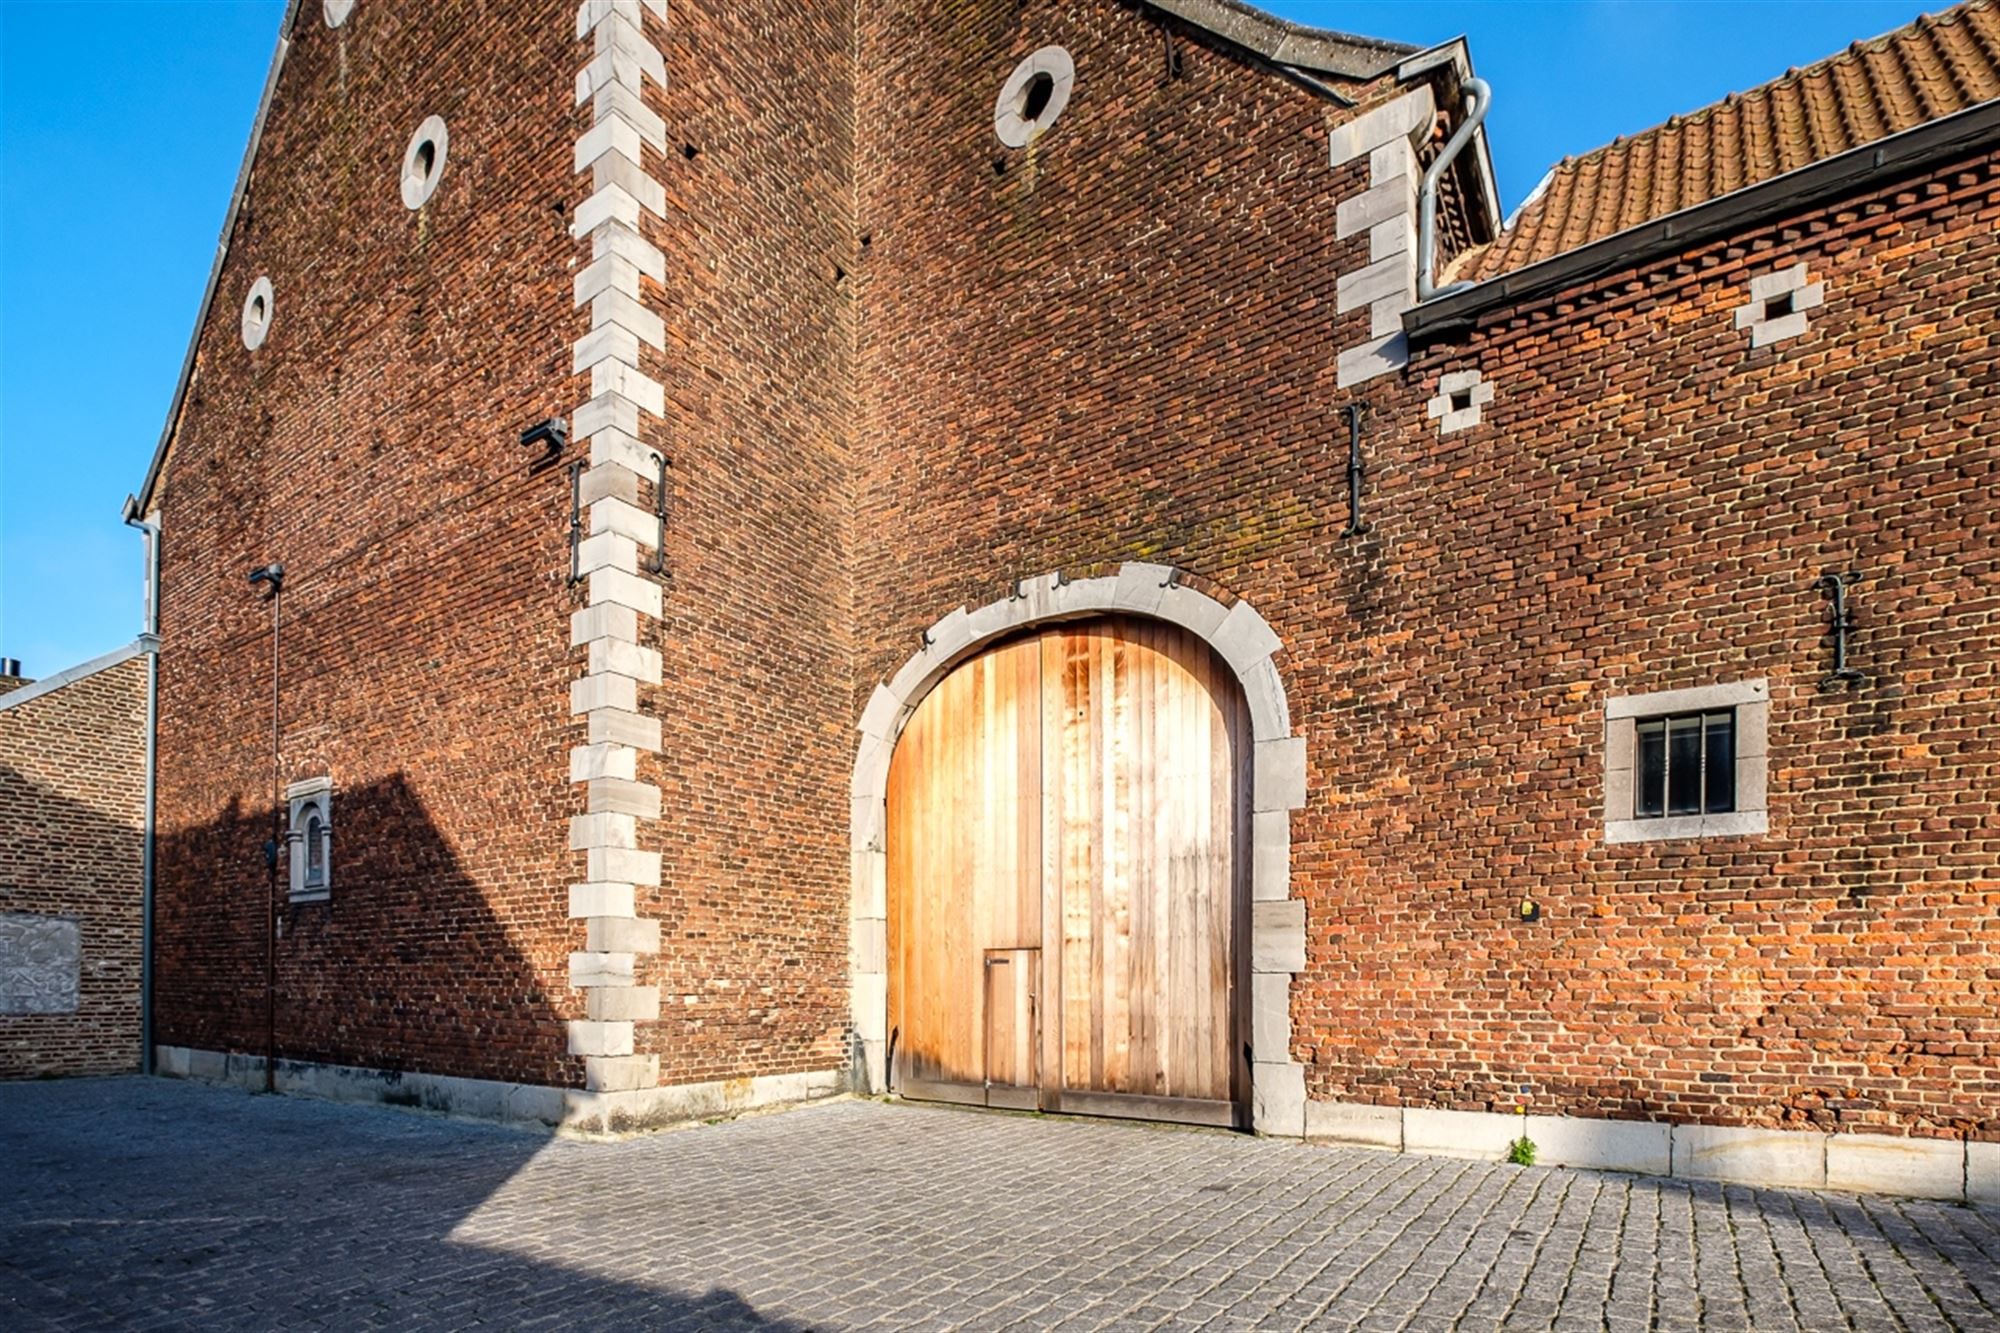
(1478, 98)
(149, 641)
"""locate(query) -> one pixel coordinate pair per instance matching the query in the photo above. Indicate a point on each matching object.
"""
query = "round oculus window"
(1033, 96)
(257, 311)
(423, 161)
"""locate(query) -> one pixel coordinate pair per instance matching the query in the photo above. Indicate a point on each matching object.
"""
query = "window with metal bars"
(1686, 765)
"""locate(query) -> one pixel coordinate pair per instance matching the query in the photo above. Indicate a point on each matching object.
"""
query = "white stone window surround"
(1778, 305)
(310, 800)
(259, 305)
(1752, 701)
(423, 162)
(1467, 387)
(1011, 121)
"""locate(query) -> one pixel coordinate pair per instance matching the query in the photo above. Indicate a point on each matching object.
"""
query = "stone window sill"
(1736, 824)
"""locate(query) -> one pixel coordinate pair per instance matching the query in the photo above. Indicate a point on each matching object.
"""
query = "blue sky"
(115, 171)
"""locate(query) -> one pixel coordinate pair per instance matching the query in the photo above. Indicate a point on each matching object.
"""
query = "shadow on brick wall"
(67, 1010)
(415, 964)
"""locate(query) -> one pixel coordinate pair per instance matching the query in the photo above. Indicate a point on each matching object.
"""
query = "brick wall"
(72, 809)
(1121, 346)
(371, 445)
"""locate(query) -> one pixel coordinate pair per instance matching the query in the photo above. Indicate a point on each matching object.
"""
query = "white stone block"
(1394, 236)
(1278, 936)
(613, 585)
(603, 691)
(617, 657)
(1912, 1168)
(626, 173)
(623, 865)
(868, 947)
(1768, 285)
(1278, 774)
(608, 70)
(615, 726)
(1408, 117)
(1982, 1173)
(1355, 1125)
(1375, 205)
(950, 636)
(626, 1004)
(1377, 356)
(610, 307)
(870, 882)
(621, 796)
(616, 99)
(871, 1005)
(627, 38)
(617, 240)
(1602, 1145)
(1085, 596)
(589, 832)
(1482, 1135)
(870, 778)
(589, 900)
(1278, 1099)
(607, 550)
(1270, 713)
(627, 520)
(613, 134)
(1271, 1017)
(593, 12)
(603, 761)
(1793, 1159)
(609, 412)
(609, 621)
(1244, 638)
(1777, 330)
(607, 481)
(591, 1037)
(866, 820)
(617, 1073)
(608, 341)
(882, 718)
(1385, 317)
(1140, 587)
(1395, 276)
(621, 934)
(616, 449)
(609, 377)
(601, 969)
(1196, 612)
(1271, 855)
(607, 205)
(1457, 381)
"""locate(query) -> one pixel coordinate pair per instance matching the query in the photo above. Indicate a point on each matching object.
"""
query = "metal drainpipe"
(150, 641)
(1478, 96)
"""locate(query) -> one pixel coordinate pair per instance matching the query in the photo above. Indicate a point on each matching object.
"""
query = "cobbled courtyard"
(147, 1203)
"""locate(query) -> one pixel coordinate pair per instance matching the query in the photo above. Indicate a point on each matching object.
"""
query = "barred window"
(1687, 765)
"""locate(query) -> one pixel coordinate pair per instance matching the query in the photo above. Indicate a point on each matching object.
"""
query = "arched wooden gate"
(1067, 827)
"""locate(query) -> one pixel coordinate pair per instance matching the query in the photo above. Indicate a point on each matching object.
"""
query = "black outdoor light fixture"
(552, 434)
(273, 574)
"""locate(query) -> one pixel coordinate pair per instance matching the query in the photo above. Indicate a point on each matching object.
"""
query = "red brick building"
(72, 823)
(1061, 555)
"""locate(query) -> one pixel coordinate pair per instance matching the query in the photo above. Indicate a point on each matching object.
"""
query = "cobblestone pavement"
(130, 1202)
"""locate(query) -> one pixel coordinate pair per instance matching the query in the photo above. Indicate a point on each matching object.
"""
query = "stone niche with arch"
(1272, 943)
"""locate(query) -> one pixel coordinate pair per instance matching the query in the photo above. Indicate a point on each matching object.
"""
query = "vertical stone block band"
(620, 58)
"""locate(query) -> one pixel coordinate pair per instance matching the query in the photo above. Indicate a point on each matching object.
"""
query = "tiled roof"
(1938, 65)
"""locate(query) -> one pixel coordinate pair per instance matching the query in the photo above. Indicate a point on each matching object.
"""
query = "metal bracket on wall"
(658, 564)
(1357, 471)
(1841, 619)
(575, 521)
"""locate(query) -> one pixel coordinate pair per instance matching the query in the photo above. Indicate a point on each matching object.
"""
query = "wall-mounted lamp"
(273, 574)
(552, 435)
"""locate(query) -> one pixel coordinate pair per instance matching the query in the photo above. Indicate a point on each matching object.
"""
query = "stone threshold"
(565, 1110)
(1951, 1169)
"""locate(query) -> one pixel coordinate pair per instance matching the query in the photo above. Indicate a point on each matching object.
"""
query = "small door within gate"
(1013, 1030)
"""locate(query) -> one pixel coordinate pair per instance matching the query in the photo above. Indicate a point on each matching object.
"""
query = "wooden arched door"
(1067, 829)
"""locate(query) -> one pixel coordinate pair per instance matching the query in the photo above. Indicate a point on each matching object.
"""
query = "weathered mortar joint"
(610, 286)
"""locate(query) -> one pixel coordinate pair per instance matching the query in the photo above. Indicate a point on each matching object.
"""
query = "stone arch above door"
(1246, 642)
